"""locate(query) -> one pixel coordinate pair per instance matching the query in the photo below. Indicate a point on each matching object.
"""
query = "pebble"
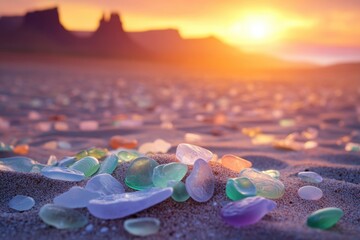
(235, 163)
(311, 177)
(120, 142)
(158, 146)
(104, 229)
(62, 173)
(61, 217)
(188, 153)
(89, 125)
(66, 161)
(266, 186)
(142, 226)
(104, 184)
(75, 197)
(52, 161)
(89, 228)
(164, 173)
(324, 218)
(247, 211)
(179, 191)
(352, 147)
(127, 156)
(310, 193)
(17, 164)
(310, 144)
(22, 149)
(109, 164)
(262, 139)
(21, 203)
(139, 173)
(122, 205)
(97, 153)
(87, 165)
(200, 184)
(272, 173)
(239, 188)
(193, 137)
(64, 145)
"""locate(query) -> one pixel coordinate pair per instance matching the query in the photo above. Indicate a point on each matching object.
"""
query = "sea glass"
(61, 217)
(87, 165)
(62, 173)
(122, 205)
(75, 197)
(21, 203)
(266, 186)
(200, 184)
(164, 173)
(17, 164)
(104, 184)
(120, 142)
(109, 164)
(180, 193)
(272, 173)
(310, 193)
(247, 211)
(324, 218)
(311, 177)
(239, 188)
(139, 173)
(142, 226)
(158, 146)
(235, 163)
(97, 153)
(188, 153)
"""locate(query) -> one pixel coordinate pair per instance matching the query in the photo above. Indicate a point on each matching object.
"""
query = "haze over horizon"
(321, 32)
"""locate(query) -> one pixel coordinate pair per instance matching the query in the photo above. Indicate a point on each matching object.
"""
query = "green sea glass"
(272, 173)
(87, 165)
(97, 153)
(239, 188)
(180, 193)
(109, 164)
(139, 173)
(128, 155)
(164, 173)
(142, 226)
(61, 217)
(324, 218)
(266, 186)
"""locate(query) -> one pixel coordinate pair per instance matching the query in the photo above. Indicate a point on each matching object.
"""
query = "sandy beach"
(43, 103)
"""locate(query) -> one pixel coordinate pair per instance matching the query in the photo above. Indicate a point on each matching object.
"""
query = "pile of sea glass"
(251, 193)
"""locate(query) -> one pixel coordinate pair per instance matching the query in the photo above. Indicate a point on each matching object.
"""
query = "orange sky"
(322, 31)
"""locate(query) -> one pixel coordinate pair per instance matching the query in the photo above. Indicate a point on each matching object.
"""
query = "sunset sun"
(258, 29)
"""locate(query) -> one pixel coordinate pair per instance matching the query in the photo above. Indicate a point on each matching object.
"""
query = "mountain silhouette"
(41, 31)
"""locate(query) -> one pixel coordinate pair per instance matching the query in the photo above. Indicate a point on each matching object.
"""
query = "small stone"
(188, 153)
(51, 145)
(122, 205)
(87, 165)
(127, 156)
(310, 193)
(287, 145)
(272, 173)
(61, 126)
(104, 229)
(17, 164)
(287, 122)
(251, 132)
(324, 218)
(34, 115)
(52, 161)
(120, 142)
(311, 177)
(62, 173)
(109, 164)
(179, 191)
(89, 228)
(142, 226)
(158, 146)
(263, 139)
(64, 145)
(192, 138)
(235, 163)
(310, 133)
(5, 147)
(97, 153)
(104, 184)
(61, 217)
(21, 203)
(200, 184)
(164, 173)
(352, 147)
(75, 197)
(89, 125)
(139, 173)
(22, 149)
(266, 186)
(247, 211)
(66, 162)
(239, 188)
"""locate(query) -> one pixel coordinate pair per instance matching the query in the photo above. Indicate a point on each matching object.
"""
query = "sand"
(216, 109)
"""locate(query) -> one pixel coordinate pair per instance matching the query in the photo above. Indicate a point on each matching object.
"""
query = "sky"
(321, 31)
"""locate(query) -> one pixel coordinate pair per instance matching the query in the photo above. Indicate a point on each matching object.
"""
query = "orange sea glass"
(120, 142)
(235, 163)
(22, 149)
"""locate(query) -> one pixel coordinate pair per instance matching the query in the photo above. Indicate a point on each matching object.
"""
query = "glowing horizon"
(322, 31)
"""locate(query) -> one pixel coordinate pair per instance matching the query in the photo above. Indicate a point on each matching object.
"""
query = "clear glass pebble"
(104, 184)
(75, 197)
(142, 226)
(188, 153)
(62, 173)
(61, 217)
(311, 177)
(310, 193)
(21, 203)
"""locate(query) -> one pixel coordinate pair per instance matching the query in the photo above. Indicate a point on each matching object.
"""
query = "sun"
(258, 29)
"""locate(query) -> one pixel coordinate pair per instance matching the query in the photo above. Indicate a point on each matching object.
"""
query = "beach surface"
(44, 103)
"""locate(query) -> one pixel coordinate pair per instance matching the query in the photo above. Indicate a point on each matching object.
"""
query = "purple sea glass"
(247, 211)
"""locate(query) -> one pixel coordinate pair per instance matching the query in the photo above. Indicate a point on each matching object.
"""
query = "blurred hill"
(42, 32)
